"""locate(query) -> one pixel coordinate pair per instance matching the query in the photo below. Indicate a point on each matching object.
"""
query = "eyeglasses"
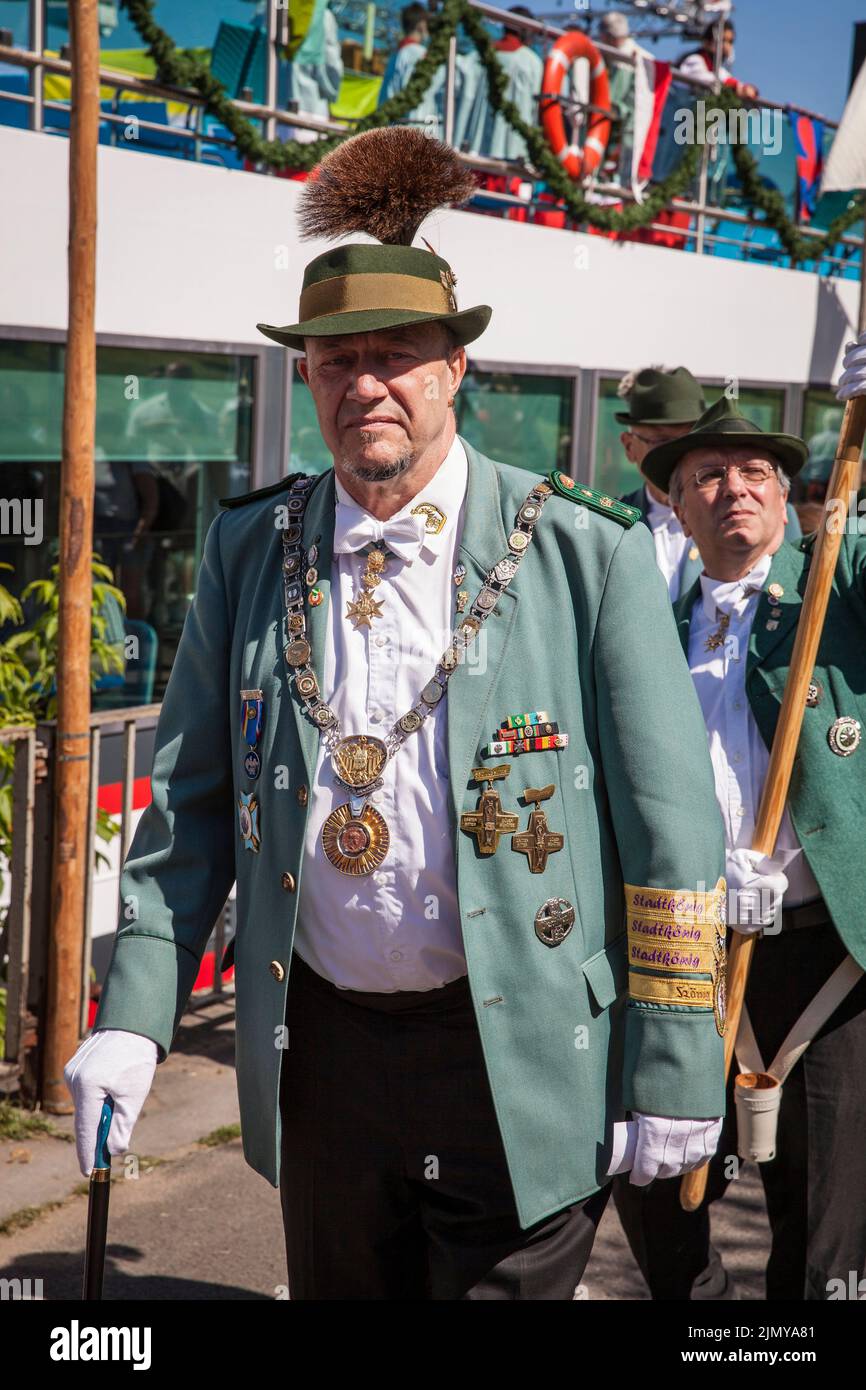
(710, 478)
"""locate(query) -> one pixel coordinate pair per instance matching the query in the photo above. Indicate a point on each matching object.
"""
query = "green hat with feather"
(383, 183)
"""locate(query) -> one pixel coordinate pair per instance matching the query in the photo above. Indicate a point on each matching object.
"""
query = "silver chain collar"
(298, 652)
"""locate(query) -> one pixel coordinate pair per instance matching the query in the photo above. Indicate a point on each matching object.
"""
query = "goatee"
(376, 472)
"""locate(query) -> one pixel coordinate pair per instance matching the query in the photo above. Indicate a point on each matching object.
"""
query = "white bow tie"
(354, 528)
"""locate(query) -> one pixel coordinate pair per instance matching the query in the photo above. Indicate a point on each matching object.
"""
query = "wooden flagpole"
(72, 749)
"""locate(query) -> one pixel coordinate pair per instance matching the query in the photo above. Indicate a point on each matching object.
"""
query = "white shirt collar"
(659, 513)
(734, 596)
(445, 490)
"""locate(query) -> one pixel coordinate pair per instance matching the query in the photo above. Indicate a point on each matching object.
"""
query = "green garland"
(182, 68)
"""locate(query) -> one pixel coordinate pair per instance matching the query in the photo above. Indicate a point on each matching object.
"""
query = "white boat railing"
(701, 211)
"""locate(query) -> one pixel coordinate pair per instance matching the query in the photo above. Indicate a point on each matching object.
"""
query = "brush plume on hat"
(382, 183)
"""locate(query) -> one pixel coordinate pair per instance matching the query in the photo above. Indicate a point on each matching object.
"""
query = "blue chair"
(224, 155)
(141, 670)
(239, 59)
(165, 142)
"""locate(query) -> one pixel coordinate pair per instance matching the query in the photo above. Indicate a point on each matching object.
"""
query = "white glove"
(756, 887)
(852, 382)
(110, 1062)
(665, 1148)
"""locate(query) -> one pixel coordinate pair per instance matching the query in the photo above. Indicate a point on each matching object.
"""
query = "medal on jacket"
(355, 836)
(365, 607)
(488, 821)
(538, 841)
(716, 639)
(252, 709)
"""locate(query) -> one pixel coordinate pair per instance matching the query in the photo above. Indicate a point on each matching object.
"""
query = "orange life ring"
(576, 161)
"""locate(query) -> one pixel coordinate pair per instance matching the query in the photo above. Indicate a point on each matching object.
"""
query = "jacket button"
(276, 970)
(288, 882)
(303, 796)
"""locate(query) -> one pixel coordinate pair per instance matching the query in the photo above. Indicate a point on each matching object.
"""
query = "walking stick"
(97, 1209)
(843, 482)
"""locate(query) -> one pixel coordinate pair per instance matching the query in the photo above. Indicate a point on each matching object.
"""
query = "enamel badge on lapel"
(815, 694)
(553, 921)
(252, 709)
(434, 517)
(537, 842)
(844, 736)
(488, 821)
(248, 816)
(459, 575)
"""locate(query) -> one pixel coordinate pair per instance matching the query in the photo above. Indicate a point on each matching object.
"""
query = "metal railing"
(700, 210)
(26, 930)
(20, 868)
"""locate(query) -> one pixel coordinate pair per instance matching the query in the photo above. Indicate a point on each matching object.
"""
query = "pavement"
(190, 1220)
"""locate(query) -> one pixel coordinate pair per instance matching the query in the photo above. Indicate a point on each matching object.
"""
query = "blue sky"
(795, 51)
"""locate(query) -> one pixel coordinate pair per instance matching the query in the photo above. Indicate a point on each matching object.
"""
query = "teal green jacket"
(585, 632)
(827, 798)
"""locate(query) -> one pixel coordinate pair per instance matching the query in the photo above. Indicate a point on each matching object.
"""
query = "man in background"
(401, 66)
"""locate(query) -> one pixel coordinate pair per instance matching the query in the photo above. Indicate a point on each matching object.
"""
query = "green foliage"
(184, 68)
(28, 666)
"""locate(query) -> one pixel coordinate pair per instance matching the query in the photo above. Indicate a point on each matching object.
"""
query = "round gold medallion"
(355, 844)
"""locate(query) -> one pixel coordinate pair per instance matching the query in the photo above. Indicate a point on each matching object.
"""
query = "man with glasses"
(663, 406)
(728, 482)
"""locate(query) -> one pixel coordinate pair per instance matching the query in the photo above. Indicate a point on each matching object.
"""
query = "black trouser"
(815, 1187)
(394, 1182)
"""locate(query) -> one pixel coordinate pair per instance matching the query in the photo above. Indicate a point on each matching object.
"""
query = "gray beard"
(376, 473)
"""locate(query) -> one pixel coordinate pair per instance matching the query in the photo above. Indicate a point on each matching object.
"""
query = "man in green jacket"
(729, 481)
(430, 714)
(663, 406)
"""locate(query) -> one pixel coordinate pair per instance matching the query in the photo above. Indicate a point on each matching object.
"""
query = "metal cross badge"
(537, 842)
(488, 821)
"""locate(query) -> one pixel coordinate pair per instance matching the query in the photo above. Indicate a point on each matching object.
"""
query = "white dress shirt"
(670, 541)
(397, 928)
(738, 753)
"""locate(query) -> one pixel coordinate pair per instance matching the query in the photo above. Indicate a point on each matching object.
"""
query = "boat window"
(173, 435)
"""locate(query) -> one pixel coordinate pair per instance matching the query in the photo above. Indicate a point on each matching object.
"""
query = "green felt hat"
(383, 183)
(359, 287)
(663, 398)
(722, 425)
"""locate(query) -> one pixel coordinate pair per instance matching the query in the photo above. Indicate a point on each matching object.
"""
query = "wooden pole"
(70, 867)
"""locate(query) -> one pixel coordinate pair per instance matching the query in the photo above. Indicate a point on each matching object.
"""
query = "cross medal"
(537, 842)
(488, 821)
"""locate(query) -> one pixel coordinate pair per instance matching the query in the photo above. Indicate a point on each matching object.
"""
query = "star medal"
(716, 639)
(252, 711)
(248, 817)
(365, 607)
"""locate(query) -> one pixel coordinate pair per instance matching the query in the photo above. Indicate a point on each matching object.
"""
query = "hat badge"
(449, 280)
